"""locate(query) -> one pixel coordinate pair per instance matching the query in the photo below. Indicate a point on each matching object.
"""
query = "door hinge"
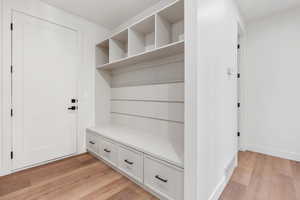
(238, 75)
(11, 112)
(238, 134)
(11, 26)
(238, 105)
(239, 46)
(11, 155)
(11, 69)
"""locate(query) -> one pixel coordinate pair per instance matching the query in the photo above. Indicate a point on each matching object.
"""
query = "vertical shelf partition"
(142, 36)
(170, 24)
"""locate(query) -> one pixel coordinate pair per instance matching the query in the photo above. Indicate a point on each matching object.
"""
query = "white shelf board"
(142, 141)
(164, 51)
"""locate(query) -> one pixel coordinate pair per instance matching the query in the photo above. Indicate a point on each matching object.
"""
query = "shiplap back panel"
(150, 96)
(157, 110)
(167, 70)
(164, 92)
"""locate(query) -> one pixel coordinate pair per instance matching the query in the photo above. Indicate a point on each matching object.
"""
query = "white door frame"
(36, 11)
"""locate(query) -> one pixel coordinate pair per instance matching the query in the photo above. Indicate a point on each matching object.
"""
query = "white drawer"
(109, 151)
(164, 179)
(92, 142)
(131, 163)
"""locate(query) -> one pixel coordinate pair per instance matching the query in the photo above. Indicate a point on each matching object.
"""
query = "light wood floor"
(261, 177)
(258, 177)
(82, 177)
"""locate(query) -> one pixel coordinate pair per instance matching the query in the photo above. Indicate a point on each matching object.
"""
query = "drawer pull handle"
(91, 142)
(128, 162)
(107, 151)
(161, 179)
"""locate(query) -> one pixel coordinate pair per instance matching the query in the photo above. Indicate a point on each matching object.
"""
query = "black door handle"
(72, 108)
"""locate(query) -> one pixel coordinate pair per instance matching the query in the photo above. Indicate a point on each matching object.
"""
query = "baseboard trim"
(274, 152)
(223, 183)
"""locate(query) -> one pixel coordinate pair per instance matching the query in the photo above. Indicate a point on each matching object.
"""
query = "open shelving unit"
(157, 53)
(159, 35)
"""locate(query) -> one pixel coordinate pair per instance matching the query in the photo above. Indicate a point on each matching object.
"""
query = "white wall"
(90, 34)
(270, 80)
(217, 30)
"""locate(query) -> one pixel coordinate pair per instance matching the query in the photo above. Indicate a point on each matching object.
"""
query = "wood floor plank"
(271, 178)
(233, 191)
(108, 191)
(85, 186)
(133, 193)
(296, 177)
(12, 183)
(242, 176)
(283, 188)
(281, 166)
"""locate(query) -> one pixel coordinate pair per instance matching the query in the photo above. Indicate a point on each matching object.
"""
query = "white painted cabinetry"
(108, 151)
(155, 175)
(140, 102)
(131, 163)
(164, 179)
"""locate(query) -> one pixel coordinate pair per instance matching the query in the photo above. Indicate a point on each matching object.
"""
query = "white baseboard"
(223, 183)
(274, 152)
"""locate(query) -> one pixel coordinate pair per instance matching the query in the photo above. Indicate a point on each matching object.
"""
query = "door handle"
(73, 108)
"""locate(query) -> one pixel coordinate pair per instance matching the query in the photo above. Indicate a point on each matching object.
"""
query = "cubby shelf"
(165, 51)
(158, 35)
(170, 24)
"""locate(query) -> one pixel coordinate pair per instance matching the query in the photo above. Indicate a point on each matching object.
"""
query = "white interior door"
(45, 61)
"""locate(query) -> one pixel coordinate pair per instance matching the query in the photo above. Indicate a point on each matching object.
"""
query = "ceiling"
(255, 9)
(111, 13)
(108, 13)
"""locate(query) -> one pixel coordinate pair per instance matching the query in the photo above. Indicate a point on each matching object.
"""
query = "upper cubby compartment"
(142, 36)
(170, 24)
(118, 46)
(102, 53)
